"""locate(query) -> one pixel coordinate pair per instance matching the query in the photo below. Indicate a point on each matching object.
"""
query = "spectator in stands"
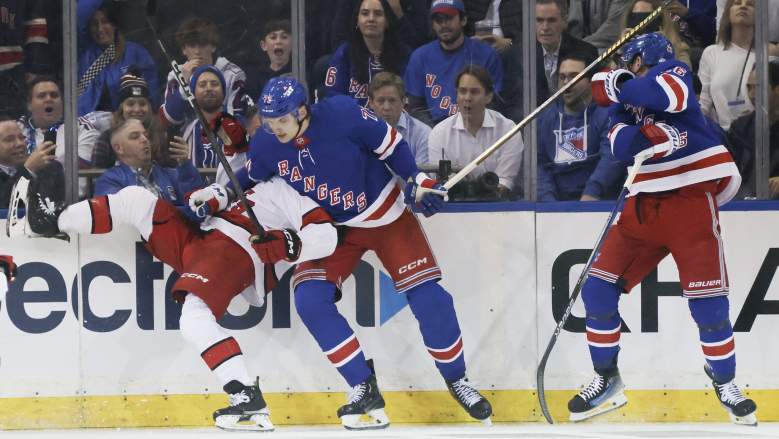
(208, 85)
(725, 66)
(431, 71)
(198, 39)
(374, 47)
(44, 101)
(274, 56)
(136, 168)
(697, 20)
(39, 165)
(574, 151)
(554, 43)
(104, 56)
(410, 15)
(597, 22)
(461, 137)
(497, 23)
(773, 18)
(387, 98)
(24, 50)
(741, 137)
(640, 9)
(134, 104)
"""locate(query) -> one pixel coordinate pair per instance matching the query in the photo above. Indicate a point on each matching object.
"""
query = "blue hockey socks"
(433, 308)
(716, 334)
(601, 301)
(315, 303)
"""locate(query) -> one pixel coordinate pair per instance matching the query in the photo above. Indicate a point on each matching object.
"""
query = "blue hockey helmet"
(282, 95)
(653, 48)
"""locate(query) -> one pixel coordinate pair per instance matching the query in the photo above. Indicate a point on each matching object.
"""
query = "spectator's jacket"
(168, 183)
(664, 94)
(700, 22)
(574, 155)
(87, 137)
(204, 156)
(509, 13)
(109, 79)
(741, 139)
(340, 78)
(431, 72)
(568, 45)
(236, 101)
(49, 180)
(24, 36)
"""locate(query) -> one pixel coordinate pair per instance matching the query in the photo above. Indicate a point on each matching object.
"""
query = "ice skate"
(41, 215)
(604, 394)
(364, 409)
(471, 400)
(740, 408)
(247, 411)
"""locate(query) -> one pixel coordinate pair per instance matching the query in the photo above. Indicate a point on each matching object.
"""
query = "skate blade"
(613, 403)
(750, 419)
(15, 225)
(256, 422)
(373, 420)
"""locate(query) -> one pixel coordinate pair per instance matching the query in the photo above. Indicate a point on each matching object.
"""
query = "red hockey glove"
(664, 138)
(231, 132)
(277, 245)
(605, 85)
(8, 267)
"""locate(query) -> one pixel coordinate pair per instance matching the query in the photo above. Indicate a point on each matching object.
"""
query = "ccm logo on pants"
(411, 266)
(195, 276)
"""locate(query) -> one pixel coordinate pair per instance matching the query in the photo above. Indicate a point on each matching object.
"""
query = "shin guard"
(716, 335)
(601, 302)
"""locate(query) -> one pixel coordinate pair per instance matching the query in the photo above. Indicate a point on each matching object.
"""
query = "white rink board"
(502, 295)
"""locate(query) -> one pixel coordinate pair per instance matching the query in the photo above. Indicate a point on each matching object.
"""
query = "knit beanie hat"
(132, 86)
(207, 68)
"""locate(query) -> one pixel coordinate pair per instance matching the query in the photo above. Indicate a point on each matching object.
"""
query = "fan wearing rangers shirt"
(343, 157)
(672, 207)
(216, 261)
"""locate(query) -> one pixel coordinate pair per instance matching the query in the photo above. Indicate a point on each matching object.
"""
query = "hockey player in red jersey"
(7, 272)
(216, 262)
(672, 207)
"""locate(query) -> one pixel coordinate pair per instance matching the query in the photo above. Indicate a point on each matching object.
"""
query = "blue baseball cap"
(447, 7)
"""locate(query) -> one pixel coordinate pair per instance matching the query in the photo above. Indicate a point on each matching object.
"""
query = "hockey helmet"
(653, 48)
(282, 95)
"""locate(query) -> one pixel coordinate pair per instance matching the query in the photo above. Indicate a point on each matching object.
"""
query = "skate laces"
(594, 388)
(730, 393)
(357, 393)
(239, 398)
(466, 392)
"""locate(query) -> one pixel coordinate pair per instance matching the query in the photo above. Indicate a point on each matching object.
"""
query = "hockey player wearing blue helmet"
(672, 208)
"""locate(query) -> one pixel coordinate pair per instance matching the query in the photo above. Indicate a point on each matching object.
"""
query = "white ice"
(503, 431)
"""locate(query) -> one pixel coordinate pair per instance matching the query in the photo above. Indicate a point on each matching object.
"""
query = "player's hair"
(582, 57)
(275, 25)
(39, 79)
(197, 31)
(386, 79)
(561, 5)
(393, 52)
(725, 34)
(480, 73)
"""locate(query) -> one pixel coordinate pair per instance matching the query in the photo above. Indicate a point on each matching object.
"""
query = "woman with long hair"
(725, 66)
(374, 47)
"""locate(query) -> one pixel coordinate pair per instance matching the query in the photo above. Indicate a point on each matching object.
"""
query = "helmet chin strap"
(300, 124)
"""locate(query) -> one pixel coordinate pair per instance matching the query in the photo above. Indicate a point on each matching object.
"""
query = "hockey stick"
(150, 11)
(577, 289)
(467, 169)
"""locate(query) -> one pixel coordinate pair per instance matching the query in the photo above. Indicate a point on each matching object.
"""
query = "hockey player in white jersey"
(216, 262)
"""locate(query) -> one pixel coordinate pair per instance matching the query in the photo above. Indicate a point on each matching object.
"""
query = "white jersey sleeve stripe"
(613, 132)
(391, 139)
(676, 91)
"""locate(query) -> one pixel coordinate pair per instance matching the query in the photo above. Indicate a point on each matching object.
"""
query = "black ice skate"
(247, 411)
(41, 216)
(604, 394)
(740, 408)
(471, 400)
(364, 401)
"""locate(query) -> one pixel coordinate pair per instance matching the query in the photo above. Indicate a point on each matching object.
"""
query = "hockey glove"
(606, 84)
(230, 131)
(208, 201)
(425, 193)
(664, 138)
(8, 267)
(277, 245)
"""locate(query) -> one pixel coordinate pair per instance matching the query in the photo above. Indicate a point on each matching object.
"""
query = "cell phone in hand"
(50, 136)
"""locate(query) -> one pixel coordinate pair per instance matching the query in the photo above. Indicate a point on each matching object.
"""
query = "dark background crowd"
(448, 74)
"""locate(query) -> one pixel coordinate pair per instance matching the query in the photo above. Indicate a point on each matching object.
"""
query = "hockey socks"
(434, 309)
(218, 350)
(601, 301)
(716, 335)
(315, 304)
(132, 205)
